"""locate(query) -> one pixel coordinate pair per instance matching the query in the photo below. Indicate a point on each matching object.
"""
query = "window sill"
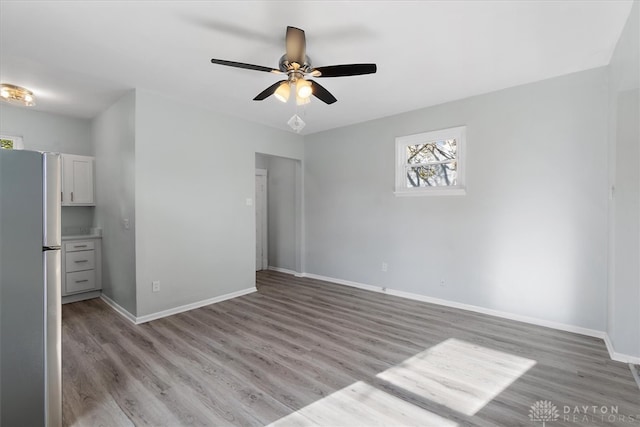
(435, 191)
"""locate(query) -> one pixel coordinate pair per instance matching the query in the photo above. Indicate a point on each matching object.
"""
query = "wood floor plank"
(306, 352)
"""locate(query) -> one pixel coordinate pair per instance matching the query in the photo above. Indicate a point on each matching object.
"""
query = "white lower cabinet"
(81, 269)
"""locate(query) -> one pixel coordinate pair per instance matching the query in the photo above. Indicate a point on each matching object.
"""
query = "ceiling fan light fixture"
(16, 95)
(283, 92)
(302, 101)
(303, 88)
(296, 64)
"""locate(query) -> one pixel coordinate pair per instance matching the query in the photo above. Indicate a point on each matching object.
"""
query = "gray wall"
(528, 238)
(624, 136)
(47, 131)
(57, 133)
(282, 206)
(262, 161)
(194, 171)
(114, 137)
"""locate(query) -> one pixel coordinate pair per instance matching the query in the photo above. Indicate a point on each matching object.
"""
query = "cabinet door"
(77, 180)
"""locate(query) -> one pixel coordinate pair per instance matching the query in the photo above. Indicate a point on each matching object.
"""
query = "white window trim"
(459, 133)
(17, 141)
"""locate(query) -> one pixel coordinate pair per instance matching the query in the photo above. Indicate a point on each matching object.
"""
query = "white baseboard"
(174, 310)
(620, 357)
(463, 306)
(635, 373)
(284, 270)
(193, 305)
(118, 308)
(80, 297)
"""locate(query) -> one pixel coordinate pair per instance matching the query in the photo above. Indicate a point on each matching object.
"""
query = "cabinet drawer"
(79, 246)
(80, 281)
(78, 261)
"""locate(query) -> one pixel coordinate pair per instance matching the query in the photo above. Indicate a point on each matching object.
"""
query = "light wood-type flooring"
(306, 352)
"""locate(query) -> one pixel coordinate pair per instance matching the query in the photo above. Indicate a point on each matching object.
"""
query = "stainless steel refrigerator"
(30, 309)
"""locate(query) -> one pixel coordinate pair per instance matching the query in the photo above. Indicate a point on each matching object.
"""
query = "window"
(431, 163)
(11, 142)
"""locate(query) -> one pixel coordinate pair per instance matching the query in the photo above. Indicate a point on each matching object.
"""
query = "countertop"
(68, 237)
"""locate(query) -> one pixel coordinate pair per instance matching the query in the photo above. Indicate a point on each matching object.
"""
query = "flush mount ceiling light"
(17, 95)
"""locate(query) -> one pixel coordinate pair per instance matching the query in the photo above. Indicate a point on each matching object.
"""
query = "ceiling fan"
(297, 66)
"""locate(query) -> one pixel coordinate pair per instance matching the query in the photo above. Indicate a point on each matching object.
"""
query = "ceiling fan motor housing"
(287, 67)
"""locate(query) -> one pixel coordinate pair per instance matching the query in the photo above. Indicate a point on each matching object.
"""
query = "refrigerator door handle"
(53, 341)
(52, 235)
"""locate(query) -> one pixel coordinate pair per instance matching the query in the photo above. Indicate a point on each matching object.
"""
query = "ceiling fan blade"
(296, 45)
(321, 93)
(245, 66)
(268, 91)
(344, 70)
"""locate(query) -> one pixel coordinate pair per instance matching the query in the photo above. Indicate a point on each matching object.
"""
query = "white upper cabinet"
(77, 180)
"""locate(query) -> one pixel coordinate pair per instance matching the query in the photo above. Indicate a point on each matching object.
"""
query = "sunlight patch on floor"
(361, 404)
(457, 374)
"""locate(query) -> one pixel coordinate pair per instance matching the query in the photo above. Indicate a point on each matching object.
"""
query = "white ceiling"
(80, 56)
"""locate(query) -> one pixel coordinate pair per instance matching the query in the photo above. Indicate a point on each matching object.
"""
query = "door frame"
(263, 219)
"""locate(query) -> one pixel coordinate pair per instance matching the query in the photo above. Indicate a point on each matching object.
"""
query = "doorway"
(262, 243)
(279, 214)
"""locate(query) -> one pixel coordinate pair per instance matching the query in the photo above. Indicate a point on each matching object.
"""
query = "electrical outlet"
(155, 286)
(385, 267)
(125, 223)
